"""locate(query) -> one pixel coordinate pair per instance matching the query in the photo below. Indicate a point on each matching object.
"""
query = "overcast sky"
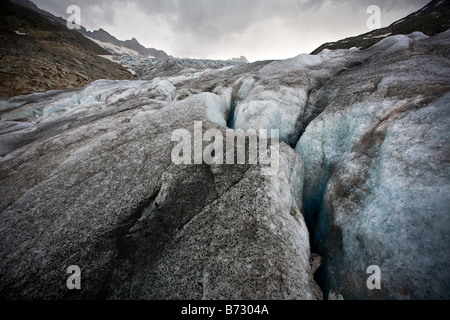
(221, 29)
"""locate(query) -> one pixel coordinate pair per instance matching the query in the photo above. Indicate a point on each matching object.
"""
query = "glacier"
(87, 179)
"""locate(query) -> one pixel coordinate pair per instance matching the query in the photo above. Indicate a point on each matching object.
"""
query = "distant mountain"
(240, 59)
(152, 68)
(432, 19)
(133, 44)
(38, 54)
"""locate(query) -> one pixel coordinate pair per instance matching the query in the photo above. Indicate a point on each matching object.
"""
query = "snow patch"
(379, 36)
(116, 49)
(399, 21)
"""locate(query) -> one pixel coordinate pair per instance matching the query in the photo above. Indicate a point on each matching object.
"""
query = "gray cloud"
(211, 28)
(93, 12)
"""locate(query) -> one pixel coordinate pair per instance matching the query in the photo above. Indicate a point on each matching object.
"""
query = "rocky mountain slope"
(88, 178)
(100, 35)
(40, 55)
(431, 20)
